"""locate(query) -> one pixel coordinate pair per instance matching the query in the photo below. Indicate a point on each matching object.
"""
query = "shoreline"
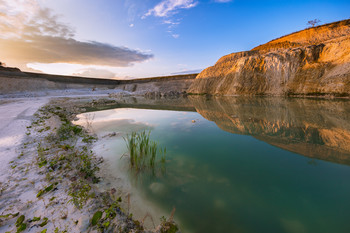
(114, 171)
(41, 191)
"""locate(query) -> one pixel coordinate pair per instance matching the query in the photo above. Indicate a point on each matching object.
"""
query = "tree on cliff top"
(313, 22)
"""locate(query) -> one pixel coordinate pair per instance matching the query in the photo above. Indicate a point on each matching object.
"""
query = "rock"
(83, 224)
(172, 95)
(157, 188)
(110, 135)
(315, 61)
(153, 95)
(113, 191)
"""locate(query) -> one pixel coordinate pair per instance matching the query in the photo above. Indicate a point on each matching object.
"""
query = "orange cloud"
(31, 33)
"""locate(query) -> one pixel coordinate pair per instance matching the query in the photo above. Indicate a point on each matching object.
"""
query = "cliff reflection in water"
(314, 128)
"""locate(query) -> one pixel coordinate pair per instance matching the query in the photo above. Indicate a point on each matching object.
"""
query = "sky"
(124, 39)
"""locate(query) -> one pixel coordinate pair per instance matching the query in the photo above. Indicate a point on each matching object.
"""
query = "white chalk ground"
(15, 116)
(20, 178)
(87, 92)
(15, 190)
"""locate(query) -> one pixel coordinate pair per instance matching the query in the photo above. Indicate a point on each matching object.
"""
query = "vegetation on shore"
(144, 153)
(69, 165)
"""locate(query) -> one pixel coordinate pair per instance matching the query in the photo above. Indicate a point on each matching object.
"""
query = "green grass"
(68, 130)
(80, 193)
(143, 152)
(46, 189)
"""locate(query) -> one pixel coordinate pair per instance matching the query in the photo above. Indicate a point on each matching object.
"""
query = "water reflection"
(314, 128)
(247, 175)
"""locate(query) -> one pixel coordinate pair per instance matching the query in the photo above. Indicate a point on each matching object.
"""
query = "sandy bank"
(53, 184)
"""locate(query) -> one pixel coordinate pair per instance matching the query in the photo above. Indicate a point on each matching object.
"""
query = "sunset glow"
(138, 38)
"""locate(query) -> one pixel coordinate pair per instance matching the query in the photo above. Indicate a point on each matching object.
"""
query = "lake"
(240, 164)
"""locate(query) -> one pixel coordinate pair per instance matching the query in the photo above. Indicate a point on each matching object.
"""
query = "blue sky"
(154, 37)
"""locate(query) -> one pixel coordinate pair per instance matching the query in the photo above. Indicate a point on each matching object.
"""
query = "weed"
(21, 226)
(8, 215)
(89, 139)
(42, 163)
(20, 220)
(68, 130)
(35, 219)
(97, 216)
(143, 151)
(110, 213)
(46, 189)
(57, 230)
(51, 138)
(41, 155)
(168, 226)
(85, 166)
(67, 147)
(44, 222)
(80, 193)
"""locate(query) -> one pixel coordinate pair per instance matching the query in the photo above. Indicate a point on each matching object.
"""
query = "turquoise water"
(247, 173)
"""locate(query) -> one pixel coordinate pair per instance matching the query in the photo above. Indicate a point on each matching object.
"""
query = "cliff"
(314, 61)
(155, 86)
(13, 81)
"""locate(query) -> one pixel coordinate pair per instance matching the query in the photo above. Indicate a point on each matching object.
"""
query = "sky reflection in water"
(231, 182)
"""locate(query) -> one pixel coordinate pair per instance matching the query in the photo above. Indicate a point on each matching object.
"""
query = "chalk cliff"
(314, 61)
(13, 81)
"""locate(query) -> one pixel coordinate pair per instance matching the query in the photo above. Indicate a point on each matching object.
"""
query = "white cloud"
(168, 7)
(222, 1)
(95, 73)
(171, 23)
(31, 33)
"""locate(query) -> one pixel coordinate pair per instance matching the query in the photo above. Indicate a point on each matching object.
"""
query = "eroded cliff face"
(313, 128)
(315, 61)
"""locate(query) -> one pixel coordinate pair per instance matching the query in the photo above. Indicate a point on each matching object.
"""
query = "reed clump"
(144, 153)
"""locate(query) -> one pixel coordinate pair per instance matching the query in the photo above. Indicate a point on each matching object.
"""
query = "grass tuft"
(143, 152)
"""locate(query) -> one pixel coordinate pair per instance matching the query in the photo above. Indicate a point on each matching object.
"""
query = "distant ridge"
(12, 80)
(309, 36)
